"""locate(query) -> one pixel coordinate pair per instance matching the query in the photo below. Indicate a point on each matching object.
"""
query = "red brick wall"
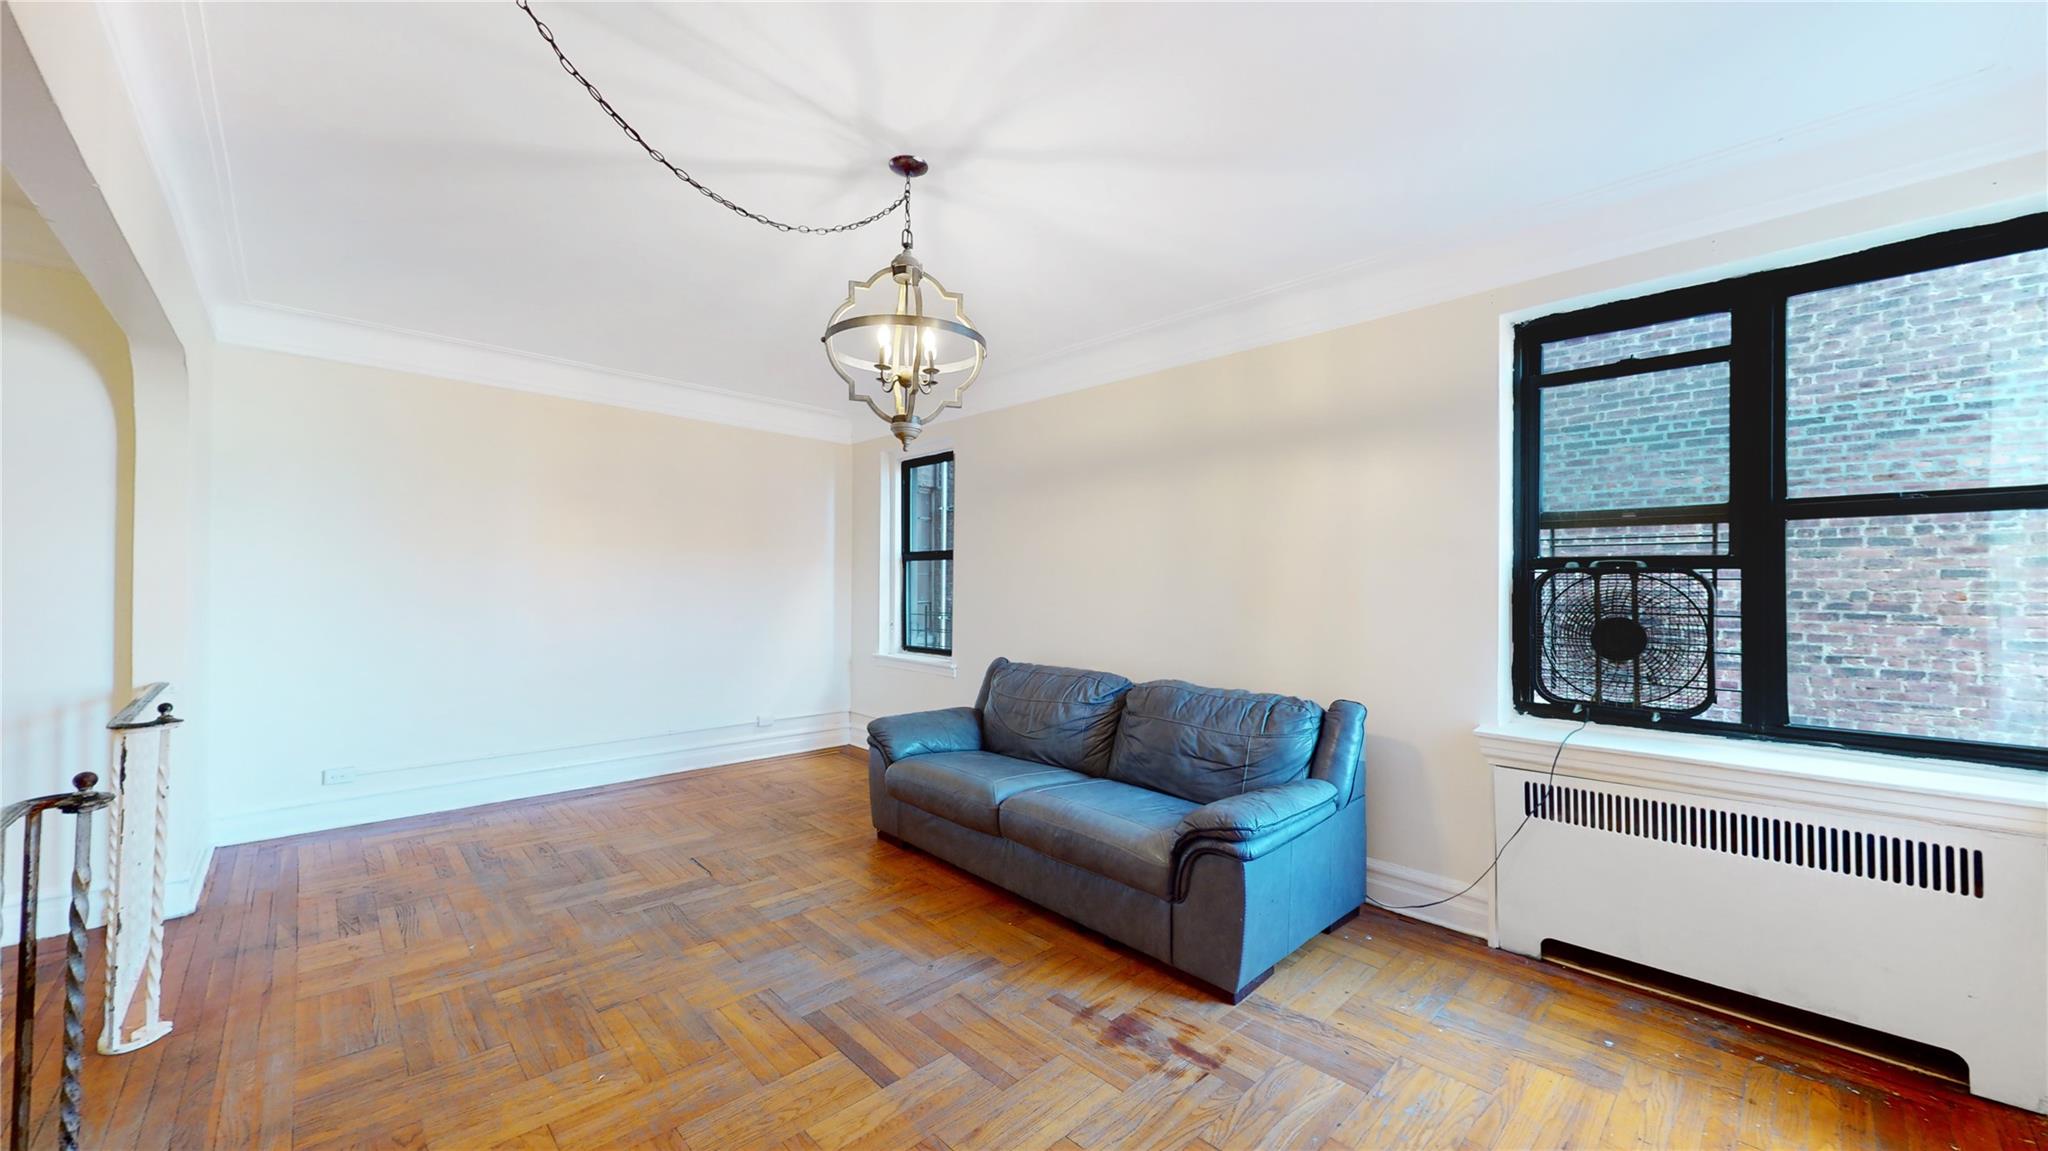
(1921, 625)
(1934, 380)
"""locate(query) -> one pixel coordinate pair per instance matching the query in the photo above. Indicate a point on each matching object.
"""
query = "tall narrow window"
(928, 554)
(1852, 454)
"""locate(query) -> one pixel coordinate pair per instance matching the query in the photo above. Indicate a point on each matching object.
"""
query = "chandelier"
(903, 327)
(899, 332)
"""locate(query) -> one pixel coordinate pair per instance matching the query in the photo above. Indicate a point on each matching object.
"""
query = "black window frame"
(906, 557)
(1758, 507)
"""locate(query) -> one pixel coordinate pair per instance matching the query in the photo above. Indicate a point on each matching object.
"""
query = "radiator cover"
(1922, 928)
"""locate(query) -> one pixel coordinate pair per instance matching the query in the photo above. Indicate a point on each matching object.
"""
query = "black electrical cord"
(676, 170)
(1548, 780)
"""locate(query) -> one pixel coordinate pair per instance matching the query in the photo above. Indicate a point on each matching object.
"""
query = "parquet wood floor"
(729, 959)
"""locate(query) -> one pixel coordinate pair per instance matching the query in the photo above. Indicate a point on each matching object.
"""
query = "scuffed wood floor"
(729, 959)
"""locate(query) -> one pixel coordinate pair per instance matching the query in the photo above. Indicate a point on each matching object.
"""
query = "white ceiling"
(1115, 188)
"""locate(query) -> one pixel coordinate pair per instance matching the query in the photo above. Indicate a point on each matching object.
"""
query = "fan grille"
(1631, 637)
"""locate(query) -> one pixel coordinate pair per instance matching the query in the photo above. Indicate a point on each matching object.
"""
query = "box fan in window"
(1625, 636)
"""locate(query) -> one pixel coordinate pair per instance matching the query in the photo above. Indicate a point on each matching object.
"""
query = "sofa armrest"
(1340, 750)
(926, 732)
(1267, 813)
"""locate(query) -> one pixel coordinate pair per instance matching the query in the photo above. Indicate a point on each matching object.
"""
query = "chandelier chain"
(633, 134)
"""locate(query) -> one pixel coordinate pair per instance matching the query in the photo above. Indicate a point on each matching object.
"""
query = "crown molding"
(1354, 294)
(1362, 292)
(1676, 203)
(270, 327)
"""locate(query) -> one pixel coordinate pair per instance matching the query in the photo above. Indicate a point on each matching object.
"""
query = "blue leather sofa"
(1215, 831)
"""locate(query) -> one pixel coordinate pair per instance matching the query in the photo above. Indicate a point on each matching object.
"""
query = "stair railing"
(78, 803)
(137, 841)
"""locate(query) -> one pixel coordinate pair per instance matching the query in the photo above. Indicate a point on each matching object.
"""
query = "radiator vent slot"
(1864, 855)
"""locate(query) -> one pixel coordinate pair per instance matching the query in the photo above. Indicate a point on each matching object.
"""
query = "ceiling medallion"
(899, 324)
(903, 333)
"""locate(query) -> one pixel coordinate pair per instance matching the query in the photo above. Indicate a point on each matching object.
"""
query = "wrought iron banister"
(78, 803)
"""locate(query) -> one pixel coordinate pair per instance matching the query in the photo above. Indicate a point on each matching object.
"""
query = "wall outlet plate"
(334, 775)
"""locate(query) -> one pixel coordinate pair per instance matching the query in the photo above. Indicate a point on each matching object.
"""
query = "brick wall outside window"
(1934, 380)
(1921, 625)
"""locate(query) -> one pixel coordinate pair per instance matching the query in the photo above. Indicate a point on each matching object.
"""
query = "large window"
(1853, 454)
(927, 577)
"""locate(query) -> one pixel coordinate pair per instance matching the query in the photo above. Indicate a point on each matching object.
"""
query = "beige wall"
(64, 408)
(1322, 517)
(423, 580)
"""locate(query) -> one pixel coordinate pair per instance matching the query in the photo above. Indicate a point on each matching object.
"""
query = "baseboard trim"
(1388, 885)
(857, 728)
(1392, 887)
(53, 914)
(526, 776)
(53, 908)
(182, 893)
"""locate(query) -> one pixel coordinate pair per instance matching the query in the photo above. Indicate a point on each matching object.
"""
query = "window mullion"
(1756, 418)
(1526, 511)
(903, 559)
(1925, 503)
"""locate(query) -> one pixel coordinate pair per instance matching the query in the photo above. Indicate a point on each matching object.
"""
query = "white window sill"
(1992, 798)
(912, 661)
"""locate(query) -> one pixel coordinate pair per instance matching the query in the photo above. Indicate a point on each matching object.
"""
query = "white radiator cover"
(1713, 874)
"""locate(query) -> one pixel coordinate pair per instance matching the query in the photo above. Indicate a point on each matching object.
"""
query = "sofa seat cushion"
(1063, 716)
(1115, 830)
(968, 787)
(1204, 744)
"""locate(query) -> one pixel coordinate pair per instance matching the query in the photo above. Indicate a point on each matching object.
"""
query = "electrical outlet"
(764, 721)
(335, 775)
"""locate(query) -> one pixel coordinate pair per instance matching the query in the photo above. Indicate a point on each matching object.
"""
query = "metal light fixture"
(900, 326)
(901, 332)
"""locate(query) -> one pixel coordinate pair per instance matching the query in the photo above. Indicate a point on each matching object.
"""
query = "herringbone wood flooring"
(729, 959)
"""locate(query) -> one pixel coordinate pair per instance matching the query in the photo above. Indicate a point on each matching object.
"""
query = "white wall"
(468, 593)
(1323, 517)
(63, 376)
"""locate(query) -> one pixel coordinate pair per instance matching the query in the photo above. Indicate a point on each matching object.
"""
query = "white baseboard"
(182, 892)
(1391, 885)
(427, 789)
(53, 915)
(857, 729)
(1394, 888)
(53, 909)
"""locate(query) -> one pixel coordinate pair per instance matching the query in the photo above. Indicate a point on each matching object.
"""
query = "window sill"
(911, 661)
(2003, 799)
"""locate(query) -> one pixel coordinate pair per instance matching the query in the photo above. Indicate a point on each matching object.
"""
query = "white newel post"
(136, 864)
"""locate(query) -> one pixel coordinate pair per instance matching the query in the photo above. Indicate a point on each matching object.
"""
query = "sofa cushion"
(968, 787)
(1115, 830)
(1058, 715)
(1203, 744)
